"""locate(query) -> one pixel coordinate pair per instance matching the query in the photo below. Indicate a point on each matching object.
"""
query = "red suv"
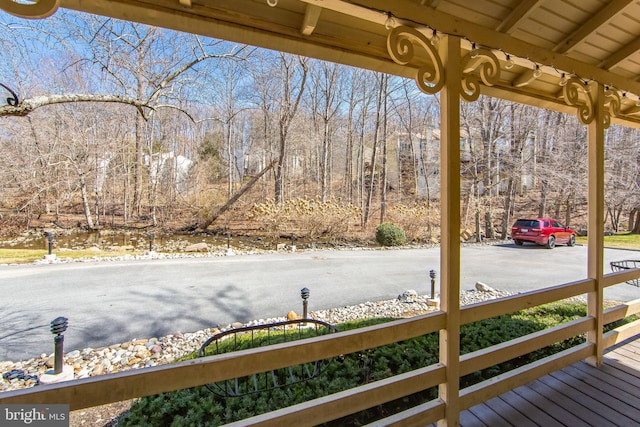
(543, 231)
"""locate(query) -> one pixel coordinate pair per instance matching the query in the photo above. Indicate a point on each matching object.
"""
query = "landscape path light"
(60, 372)
(49, 235)
(304, 293)
(432, 275)
(58, 326)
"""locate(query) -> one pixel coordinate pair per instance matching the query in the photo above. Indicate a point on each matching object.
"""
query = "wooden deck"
(579, 395)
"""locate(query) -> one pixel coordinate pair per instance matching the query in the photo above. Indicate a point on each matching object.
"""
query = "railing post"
(595, 247)
(449, 391)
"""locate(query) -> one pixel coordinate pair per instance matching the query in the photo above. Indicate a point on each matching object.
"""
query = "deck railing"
(116, 387)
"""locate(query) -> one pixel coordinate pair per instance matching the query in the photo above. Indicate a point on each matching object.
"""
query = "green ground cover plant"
(199, 406)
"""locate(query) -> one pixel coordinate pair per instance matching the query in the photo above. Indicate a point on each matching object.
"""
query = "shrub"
(388, 234)
(198, 406)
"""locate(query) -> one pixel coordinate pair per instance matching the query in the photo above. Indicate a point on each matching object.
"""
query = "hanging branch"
(26, 106)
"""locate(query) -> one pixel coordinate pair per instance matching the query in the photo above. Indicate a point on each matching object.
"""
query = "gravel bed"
(145, 352)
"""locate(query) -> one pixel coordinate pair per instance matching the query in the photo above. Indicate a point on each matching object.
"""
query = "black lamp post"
(304, 293)
(432, 275)
(150, 242)
(49, 235)
(58, 326)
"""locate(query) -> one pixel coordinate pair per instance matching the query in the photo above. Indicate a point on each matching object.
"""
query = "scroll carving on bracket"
(33, 9)
(401, 48)
(576, 93)
(612, 104)
(488, 71)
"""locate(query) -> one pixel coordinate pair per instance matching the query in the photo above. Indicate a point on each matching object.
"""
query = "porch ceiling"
(594, 40)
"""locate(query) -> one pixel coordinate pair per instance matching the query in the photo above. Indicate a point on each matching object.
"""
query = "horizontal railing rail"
(94, 391)
(110, 388)
(621, 311)
(510, 304)
(622, 276)
(502, 352)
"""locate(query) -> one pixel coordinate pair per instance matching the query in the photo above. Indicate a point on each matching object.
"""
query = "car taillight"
(536, 229)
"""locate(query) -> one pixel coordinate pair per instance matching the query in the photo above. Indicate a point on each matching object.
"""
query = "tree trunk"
(569, 206)
(236, 196)
(137, 171)
(542, 206)
(383, 179)
(376, 136)
(85, 200)
(634, 220)
(508, 200)
(278, 192)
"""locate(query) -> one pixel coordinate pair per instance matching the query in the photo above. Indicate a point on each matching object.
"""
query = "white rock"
(483, 287)
(408, 296)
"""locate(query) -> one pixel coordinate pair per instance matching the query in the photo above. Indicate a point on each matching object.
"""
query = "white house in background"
(102, 168)
(168, 165)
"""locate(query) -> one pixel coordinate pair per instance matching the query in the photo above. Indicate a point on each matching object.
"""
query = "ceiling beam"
(431, 3)
(352, 9)
(605, 14)
(524, 79)
(517, 15)
(311, 16)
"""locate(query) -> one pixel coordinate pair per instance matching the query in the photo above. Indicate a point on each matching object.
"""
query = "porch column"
(450, 228)
(595, 254)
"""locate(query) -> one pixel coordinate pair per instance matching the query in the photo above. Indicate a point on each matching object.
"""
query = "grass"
(27, 256)
(620, 240)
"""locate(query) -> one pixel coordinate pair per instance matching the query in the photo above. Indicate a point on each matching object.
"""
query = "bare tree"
(522, 122)
(622, 178)
(325, 102)
(381, 88)
(293, 81)
(132, 64)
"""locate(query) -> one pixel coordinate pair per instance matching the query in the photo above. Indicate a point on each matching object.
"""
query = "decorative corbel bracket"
(577, 94)
(488, 66)
(401, 48)
(33, 10)
(612, 103)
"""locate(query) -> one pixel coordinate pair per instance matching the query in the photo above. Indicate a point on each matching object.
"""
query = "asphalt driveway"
(112, 302)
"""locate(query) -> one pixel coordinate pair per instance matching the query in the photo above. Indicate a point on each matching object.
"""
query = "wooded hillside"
(126, 124)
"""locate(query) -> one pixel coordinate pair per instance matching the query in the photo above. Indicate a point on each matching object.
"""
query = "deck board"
(488, 416)
(619, 390)
(578, 395)
(526, 407)
(508, 412)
